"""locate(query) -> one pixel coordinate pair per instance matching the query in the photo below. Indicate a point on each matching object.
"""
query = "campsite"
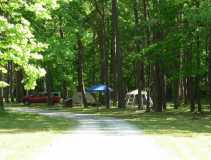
(105, 79)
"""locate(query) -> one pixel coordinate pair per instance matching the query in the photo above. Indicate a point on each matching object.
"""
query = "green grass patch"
(182, 134)
(172, 122)
(24, 135)
(22, 122)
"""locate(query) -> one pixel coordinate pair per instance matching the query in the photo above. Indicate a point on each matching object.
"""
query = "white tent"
(78, 100)
(132, 96)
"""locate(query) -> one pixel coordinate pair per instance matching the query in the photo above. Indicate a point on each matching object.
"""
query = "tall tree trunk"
(49, 85)
(7, 89)
(176, 93)
(159, 89)
(209, 67)
(147, 43)
(191, 92)
(159, 77)
(1, 94)
(140, 83)
(61, 32)
(198, 61)
(114, 51)
(185, 85)
(176, 83)
(64, 89)
(140, 63)
(93, 68)
(104, 75)
(118, 56)
(19, 86)
(80, 70)
(191, 82)
(164, 87)
(197, 78)
(11, 87)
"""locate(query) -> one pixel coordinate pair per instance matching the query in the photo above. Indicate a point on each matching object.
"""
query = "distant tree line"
(163, 47)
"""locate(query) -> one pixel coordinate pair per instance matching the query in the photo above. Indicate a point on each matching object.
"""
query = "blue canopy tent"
(99, 88)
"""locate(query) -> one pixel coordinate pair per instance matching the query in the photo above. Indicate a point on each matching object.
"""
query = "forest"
(160, 46)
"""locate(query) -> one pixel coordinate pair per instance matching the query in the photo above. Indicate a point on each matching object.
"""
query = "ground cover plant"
(24, 134)
(181, 133)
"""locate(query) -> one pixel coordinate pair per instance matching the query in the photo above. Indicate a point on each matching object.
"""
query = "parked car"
(41, 98)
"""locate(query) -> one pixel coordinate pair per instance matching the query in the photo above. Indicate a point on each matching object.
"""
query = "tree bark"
(159, 89)
(64, 89)
(198, 63)
(104, 74)
(114, 48)
(62, 36)
(185, 85)
(209, 67)
(11, 87)
(1, 94)
(191, 82)
(176, 93)
(80, 70)
(147, 43)
(49, 85)
(117, 54)
(6, 90)
(197, 78)
(191, 91)
(19, 86)
(140, 63)
(93, 66)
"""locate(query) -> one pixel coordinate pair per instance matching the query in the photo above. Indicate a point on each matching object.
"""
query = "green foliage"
(40, 33)
(18, 43)
(3, 84)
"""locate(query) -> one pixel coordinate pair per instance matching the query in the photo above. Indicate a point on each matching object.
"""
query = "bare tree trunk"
(64, 89)
(158, 89)
(163, 86)
(140, 83)
(11, 87)
(61, 32)
(147, 43)
(176, 93)
(93, 68)
(198, 63)
(7, 89)
(19, 86)
(191, 82)
(49, 85)
(104, 74)
(118, 58)
(185, 85)
(80, 70)
(197, 78)
(209, 67)
(140, 63)
(1, 94)
(114, 50)
(191, 91)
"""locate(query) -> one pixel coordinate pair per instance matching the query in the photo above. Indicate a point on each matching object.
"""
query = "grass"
(23, 135)
(180, 122)
(181, 133)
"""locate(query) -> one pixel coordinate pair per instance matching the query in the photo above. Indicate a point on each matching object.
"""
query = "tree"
(24, 49)
(209, 66)
(117, 55)
(80, 71)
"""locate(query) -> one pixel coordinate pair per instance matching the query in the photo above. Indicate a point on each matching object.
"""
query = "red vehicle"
(40, 98)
